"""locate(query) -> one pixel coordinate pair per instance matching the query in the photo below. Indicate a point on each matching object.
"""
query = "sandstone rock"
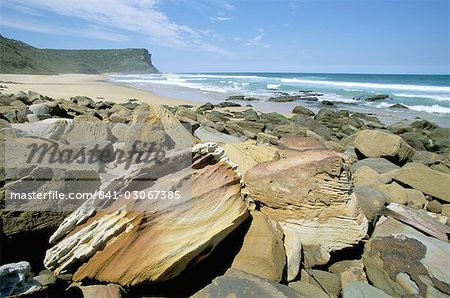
(131, 242)
(16, 279)
(301, 144)
(177, 136)
(262, 252)
(315, 254)
(371, 201)
(380, 165)
(434, 206)
(265, 138)
(101, 291)
(446, 210)
(310, 194)
(246, 155)
(373, 143)
(365, 176)
(88, 131)
(428, 181)
(118, 117)
(349, 271)
(362, 290)
(293, 248)
(254, 127)
(240, 284)
(290, 130)
(308, 290)
(400, 260)
(416, 198)
(393, 193)
(329, 281)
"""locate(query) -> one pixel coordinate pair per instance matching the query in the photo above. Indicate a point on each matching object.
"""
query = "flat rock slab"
(428, 181)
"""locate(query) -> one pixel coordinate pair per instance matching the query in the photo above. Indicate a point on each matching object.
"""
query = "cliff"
(19, 57)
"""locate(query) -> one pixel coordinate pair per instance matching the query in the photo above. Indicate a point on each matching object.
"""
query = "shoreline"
(94, 86)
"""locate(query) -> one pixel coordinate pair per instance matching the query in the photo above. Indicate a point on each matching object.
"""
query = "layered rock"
(310, 193)
(247, 154)
(132, 241)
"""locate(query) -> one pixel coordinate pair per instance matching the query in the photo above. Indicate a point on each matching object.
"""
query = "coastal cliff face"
(19, 57)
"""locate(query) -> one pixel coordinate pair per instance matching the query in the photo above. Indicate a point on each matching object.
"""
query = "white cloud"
(257, 41)
(223, 19)
(138, 16)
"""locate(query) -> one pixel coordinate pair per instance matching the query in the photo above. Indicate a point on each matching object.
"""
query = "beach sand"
(93, 86)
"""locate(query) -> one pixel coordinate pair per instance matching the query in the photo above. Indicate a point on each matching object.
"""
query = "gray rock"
(207, 134)
(303, 111)
(371, 201)
(399, 106)
(371, 97)
(380, 165)
(16, 279)
(250, 115)
(39, 109)
(415, 140)
(362, 290)
(236, 283)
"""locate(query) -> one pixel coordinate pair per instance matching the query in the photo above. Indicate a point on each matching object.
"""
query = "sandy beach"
(93, 86)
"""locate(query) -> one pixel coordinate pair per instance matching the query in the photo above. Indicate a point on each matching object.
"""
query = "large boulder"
(374, 143)
(310, 193)
(428, 181)
(208, 134)
(262, 252)
(402, 261)
(129, 241)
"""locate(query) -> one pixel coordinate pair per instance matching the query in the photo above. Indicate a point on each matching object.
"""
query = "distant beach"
(68, 85)
(425, 96)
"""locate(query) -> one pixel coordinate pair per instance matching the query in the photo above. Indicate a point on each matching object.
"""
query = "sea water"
(426, 96)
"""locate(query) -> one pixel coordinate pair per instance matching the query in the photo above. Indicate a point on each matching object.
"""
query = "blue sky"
(349, 36)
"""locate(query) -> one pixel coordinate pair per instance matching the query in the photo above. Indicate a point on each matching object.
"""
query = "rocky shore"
(327, 204)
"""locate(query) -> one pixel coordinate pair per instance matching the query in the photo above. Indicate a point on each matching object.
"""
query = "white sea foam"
(273, 86)
(439, 97)
(431, 109)
(369, 85)
(419, 108)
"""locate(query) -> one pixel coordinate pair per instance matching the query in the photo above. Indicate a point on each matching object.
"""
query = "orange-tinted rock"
(134, 241)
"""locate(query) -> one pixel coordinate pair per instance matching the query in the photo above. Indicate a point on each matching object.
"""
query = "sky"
(331, 36)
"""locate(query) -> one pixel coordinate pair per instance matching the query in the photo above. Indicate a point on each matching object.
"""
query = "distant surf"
(421, 93)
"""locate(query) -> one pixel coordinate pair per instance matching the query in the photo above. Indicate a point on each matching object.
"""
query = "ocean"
(426, 96)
